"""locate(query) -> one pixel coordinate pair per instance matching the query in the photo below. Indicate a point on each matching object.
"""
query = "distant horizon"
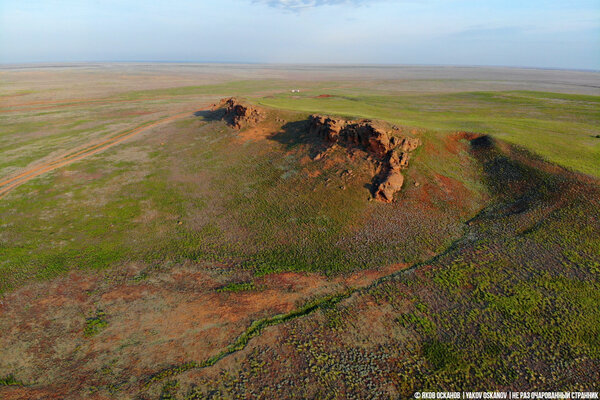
(541, 34)
(50, 64)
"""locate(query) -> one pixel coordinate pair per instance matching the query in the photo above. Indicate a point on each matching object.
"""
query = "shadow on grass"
(209, 115)
(297, 133)
(517, 187)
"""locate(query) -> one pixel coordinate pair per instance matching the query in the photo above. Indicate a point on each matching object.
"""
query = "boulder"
(398, 160)
(409, 144)
(391, 184)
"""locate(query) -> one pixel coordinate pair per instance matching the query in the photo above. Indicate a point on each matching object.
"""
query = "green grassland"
(205, 195)
(558, 127)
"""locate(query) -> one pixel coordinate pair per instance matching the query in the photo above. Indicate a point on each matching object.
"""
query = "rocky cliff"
(392, 152)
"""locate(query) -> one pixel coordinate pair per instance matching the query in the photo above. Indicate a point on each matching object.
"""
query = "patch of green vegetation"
(10, 380)
(195, 394)
(237, 287)
(322, 258)
(95, 324)
(252, 331)
(169, 390)
(421, 322)
(439, 354)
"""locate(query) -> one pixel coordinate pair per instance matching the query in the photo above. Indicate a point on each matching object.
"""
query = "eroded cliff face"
(392, 152)
(392, 178)
(239, 114)
(366, 134)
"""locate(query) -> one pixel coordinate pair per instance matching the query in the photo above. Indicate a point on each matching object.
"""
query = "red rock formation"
(409, 144)
(363, 133)
(393, 178)
(326, 128)
(392, 152)
(239, 114)
(391, 184)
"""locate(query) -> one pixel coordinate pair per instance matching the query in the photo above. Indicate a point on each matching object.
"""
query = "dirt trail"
(11, 183)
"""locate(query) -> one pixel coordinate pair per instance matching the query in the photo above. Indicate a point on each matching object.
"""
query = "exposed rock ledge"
(239, 114)
(393, 152)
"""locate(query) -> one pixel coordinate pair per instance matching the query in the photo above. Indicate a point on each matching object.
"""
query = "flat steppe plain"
(148, 250)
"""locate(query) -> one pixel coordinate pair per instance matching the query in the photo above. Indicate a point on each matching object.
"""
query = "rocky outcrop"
(391, 184)
(363, 133)
(326, 128)
(239, 114)
(407, 144)
(392, 152)
(392, 179)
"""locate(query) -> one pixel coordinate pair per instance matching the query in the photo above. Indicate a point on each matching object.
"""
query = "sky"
(528, 33)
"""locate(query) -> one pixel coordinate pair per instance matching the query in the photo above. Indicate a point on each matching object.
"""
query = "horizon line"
(58, 64)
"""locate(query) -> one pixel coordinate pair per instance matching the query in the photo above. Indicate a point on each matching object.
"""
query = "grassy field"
(562, 128)
(197, 261)
(200, 193)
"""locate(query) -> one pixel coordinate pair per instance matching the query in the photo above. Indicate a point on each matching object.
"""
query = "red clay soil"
(169, 318)
(452, 141)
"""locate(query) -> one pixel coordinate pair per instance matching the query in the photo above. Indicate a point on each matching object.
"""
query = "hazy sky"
(541, 33)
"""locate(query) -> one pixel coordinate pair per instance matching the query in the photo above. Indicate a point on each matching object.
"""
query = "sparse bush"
(95, 324)
(237, 287)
